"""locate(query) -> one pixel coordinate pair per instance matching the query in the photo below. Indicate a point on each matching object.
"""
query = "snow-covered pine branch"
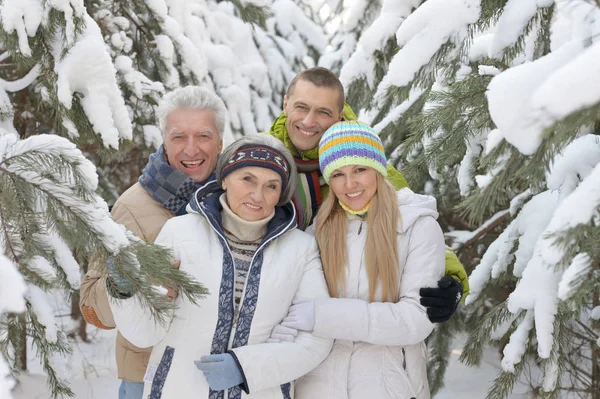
(49, 208)
(508, 109)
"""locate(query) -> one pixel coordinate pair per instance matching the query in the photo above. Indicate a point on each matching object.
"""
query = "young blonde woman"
(378, 248)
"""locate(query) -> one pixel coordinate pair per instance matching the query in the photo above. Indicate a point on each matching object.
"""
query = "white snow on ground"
(94, 373)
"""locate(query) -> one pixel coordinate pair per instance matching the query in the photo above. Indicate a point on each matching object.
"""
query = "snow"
(517, 202)
(572, 277)
(573, 87)
(12, 290)
(422, 35)
(152, 136)
(595, 313)
(12, 287)
(577, 209)
(93, 367)
(512, 22)
(165, 48)
(70, 8)
(515, 349)
(531, 223)
(88, 69)
(574, 163)
(42, 309)
(461, 236)
(20, 84)
(396, 113)
(95, 212)
(64, 259)
(361, 62)
(42, 268)
(511, 93)
(537, 291)
(23, 17)
(488, 70)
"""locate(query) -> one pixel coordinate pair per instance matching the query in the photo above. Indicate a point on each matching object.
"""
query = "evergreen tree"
(49, 206)
(494, 107)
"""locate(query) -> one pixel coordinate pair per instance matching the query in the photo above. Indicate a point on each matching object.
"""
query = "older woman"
(378, 248)
(240, 240)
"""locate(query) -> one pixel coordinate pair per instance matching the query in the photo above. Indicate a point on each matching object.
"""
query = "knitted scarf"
(167, 185)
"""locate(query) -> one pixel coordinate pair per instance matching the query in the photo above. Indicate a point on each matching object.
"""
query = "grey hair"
(265, 140)
(192, 97)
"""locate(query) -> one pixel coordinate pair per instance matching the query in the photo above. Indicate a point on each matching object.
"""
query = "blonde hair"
(381, 250)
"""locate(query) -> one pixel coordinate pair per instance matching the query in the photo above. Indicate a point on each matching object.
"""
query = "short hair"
(320, 77)
(195, 98)
(265, 140)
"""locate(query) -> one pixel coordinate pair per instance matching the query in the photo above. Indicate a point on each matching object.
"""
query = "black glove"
(441, 302)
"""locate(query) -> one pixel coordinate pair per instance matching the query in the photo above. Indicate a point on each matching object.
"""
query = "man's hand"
(441, 302)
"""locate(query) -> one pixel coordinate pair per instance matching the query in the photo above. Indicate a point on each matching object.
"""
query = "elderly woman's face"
(252, 192)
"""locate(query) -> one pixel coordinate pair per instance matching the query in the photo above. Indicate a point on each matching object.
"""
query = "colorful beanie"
(258, 155)
(351, 143)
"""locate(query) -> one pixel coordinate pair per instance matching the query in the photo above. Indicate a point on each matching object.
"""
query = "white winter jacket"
(379, 351)
(290, 267)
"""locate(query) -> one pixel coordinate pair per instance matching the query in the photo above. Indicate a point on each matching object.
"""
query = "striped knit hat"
(351, 143)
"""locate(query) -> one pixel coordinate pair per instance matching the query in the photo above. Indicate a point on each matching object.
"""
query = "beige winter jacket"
(143, 216)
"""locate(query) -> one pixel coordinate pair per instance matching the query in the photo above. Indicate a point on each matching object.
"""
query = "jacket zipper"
(285, 229)
(234, 325)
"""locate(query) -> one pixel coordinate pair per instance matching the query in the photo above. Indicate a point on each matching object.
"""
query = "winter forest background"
(492, 106)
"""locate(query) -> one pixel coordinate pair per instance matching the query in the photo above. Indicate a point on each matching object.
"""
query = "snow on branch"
(92, 211)
(512, 23)
(23, 17)
(526, 230)
(510, 96)
(572, 277)
(577, 209)
(88, 69)
(361, 63)
(12, 291)
(574, 163)
(423, 34)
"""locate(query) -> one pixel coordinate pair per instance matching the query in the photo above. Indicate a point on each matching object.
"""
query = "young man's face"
(310, 111)
(192, 142)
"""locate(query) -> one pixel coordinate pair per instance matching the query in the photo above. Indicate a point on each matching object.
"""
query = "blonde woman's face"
(354, 185)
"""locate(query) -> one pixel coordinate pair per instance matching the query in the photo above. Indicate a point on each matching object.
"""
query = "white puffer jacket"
(290, 267)
(379, 351)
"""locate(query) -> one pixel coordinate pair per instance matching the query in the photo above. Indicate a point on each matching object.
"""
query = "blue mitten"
(221, 371)
(117, 284)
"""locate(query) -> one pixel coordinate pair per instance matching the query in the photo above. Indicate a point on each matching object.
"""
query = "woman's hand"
(221, 371)
(301, 315)
(282, 334)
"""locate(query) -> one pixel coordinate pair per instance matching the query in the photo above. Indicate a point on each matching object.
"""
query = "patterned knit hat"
(351, 143)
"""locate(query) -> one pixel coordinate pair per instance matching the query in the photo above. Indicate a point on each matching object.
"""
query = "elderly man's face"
(192, 142)
(310, 111)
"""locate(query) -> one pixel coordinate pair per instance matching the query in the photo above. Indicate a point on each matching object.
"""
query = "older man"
(192, 121)
(314, 101)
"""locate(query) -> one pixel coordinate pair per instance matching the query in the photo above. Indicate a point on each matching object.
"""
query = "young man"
(192, 121)
(314, 101)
